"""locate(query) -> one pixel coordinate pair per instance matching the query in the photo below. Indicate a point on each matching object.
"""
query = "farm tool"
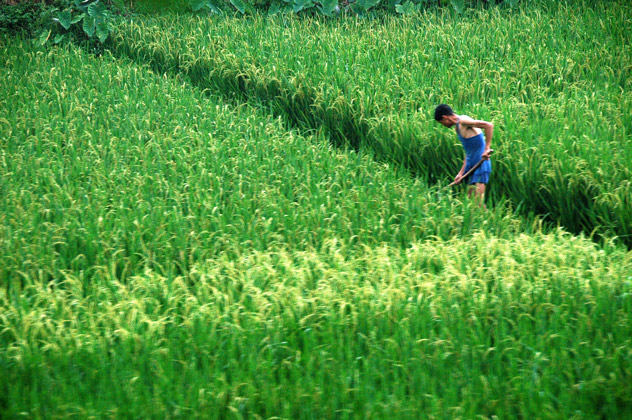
(470, 171)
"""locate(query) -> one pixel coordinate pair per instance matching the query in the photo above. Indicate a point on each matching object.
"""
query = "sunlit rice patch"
(166, 252)
(454, 306)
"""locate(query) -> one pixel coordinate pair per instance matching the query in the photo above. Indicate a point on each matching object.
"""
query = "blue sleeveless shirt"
(474, 147)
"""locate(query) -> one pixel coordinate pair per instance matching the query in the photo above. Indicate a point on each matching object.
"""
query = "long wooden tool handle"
(472, 169)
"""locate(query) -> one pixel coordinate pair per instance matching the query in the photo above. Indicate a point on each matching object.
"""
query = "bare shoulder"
(469, 121)
(466, 120)
(468, 126)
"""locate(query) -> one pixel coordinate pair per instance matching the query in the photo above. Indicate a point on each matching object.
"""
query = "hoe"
(472, 169)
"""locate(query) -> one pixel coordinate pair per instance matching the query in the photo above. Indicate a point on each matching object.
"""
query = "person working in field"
(477, 148)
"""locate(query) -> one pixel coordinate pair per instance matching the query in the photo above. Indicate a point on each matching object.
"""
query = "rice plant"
(555, 80)
(105, 164)
(166, 252)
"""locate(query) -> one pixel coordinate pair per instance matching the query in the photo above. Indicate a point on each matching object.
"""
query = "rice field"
(177, 249)
(555, 81)
(102, 167)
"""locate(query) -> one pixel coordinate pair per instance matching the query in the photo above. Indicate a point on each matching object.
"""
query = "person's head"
(445, 115)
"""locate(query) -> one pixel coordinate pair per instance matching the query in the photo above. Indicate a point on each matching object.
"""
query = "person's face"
(447, 121)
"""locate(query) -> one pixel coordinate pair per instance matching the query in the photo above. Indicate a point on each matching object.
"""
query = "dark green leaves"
(89, 25)
(64, 19)
(200, 5)
(328, 7)
(197, 5)
(458, 6)
(94, 14)
(363, 6)
(44, 36)
(239, 5)
(103, 30)
(97, 10)
(299, 5)
(407, 8)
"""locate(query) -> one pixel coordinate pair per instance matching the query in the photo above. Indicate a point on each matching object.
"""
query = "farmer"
(476, 145)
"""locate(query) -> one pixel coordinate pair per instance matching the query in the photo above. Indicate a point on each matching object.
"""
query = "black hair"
(442, 110)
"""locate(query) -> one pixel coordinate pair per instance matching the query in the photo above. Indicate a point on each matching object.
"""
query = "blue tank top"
(474, 148)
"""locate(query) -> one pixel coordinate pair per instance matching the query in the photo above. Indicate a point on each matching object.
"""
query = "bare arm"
(457, 178)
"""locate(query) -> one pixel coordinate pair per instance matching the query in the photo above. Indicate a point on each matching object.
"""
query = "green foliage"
(239, 177)
(458, 6)
(408, 8)
(152, 230)
(199, 5)
(327, 8)
(360, 7)
(373, 85)
(89, 19)
(168, 253)
(239, 5)
(22, 17)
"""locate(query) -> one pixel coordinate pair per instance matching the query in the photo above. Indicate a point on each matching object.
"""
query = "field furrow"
(171, 249)
(556, 88)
